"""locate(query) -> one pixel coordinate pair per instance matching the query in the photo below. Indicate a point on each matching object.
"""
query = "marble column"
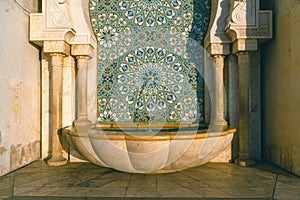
(81, 91)
(56, 81)
(219, 105)
(244, 64)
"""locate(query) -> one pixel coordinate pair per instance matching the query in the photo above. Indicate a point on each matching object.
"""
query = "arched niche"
(64, 31)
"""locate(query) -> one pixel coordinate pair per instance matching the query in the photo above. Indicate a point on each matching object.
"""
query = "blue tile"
(150, 59)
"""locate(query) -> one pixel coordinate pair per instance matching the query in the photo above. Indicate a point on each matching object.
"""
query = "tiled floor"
(87, 181)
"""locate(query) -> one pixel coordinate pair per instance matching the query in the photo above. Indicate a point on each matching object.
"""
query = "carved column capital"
(244, 45)
(81, 57)
(56, 47)
(243, 53)
(57, 60)
(244, 58)
(218, 56)
(246, 24)
(81, 50)
(82, 62)
(219, 60)
(218, 49)
(216, 40)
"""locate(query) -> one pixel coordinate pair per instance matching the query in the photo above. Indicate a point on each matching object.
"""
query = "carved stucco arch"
(230, 20)
(73, 16)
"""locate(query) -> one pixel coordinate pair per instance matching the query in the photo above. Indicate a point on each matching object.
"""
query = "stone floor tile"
(264, 174)
(201, 175)
(116, 175)
(287, 194)
(45, 198)
(288, 182)
(142, 180)
(265, 166)
(246, 192)
(141, 183)
(175, 176)
(117, 183)
(8, 191)
(106, 192)
(262, 183)
(6, 181)
(166, 184)
(254, 174)
(87, 165)
(21, 179)
(141, 192)
(69, 191)
(34, 191)
(35, 183)
(240, 182)
(176, 192)
(68, 182)
(76, 192)
(188, 184)
(211, 192)
(18, 191)
(85, 180)
(97, 182)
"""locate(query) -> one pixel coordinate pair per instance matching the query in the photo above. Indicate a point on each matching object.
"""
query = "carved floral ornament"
(239, 12)
(58, 18)
(246, 21)
(58, 15)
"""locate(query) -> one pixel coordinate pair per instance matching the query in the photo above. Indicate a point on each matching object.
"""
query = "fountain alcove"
(158, 97)
(150, 94)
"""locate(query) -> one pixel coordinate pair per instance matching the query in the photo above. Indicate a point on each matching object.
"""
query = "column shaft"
(81, 94)
(55, 79)
(218, 112)
(244, 65)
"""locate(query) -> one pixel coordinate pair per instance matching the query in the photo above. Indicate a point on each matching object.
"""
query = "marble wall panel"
(19, 88)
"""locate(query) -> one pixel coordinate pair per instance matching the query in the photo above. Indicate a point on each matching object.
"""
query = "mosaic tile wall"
(150, 59)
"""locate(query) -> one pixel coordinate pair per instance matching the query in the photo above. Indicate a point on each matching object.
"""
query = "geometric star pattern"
(146, 70)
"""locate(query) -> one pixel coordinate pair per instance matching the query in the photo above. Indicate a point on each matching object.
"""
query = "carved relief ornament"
(246, 24)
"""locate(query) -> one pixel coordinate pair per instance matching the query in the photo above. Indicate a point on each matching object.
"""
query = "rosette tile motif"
(148, 66)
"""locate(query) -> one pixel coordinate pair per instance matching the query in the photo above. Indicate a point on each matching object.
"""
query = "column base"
(219, 125)
(82, 121)
(244, 162)
(82, 126)
(57, 161)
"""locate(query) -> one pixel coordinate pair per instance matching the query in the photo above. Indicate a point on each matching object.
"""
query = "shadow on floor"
(269, 167)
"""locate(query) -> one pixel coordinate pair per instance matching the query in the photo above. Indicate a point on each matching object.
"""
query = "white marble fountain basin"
(149, 150)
